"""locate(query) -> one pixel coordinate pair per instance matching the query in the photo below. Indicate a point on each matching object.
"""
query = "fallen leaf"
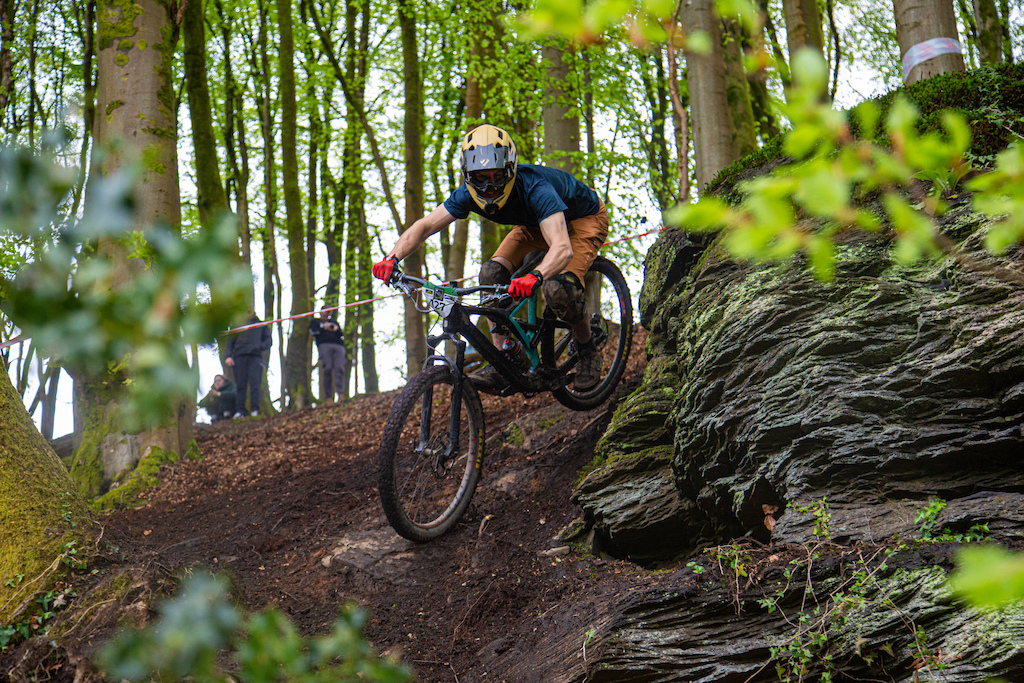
(769, 522)
(769, 509)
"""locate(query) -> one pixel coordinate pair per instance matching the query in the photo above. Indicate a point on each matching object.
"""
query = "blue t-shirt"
(538, 192)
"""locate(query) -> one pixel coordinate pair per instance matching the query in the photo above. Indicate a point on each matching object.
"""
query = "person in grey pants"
(330, 344)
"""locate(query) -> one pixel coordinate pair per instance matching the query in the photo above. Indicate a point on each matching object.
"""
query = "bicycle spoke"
(424, 488)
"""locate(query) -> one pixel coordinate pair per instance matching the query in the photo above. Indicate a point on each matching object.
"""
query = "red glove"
(525, 286)
(382, 270)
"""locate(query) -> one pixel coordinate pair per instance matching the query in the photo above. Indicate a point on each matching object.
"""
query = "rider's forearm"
(556, 234)
(555, 261)
(419, 231)
(409, 241)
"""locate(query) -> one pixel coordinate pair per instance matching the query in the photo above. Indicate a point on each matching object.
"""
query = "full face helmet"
(489, 166)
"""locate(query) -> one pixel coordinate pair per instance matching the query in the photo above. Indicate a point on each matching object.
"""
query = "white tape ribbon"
(922, 52)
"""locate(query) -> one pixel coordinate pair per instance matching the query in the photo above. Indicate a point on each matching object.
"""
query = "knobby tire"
(423, 498)
(615, 350)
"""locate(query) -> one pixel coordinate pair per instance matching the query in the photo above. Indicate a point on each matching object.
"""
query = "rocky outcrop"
(745, 613)
(790, 411)
(768, 390)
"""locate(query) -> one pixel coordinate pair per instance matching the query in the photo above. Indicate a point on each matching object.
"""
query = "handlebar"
(403, 282)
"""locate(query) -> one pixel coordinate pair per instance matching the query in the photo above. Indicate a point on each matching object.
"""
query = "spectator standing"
(330, 344)
(244, 351)
(220, 402)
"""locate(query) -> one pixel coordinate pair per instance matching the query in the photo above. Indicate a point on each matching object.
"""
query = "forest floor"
(287, 507)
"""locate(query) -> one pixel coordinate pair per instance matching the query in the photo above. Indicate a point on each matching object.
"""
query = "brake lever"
(495, 298)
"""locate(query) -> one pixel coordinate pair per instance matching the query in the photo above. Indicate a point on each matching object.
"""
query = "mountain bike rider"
(550, 210)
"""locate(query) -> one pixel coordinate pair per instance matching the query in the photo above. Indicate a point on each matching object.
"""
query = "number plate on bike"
(441, 302)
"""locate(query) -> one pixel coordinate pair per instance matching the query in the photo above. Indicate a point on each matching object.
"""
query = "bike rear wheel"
(612, 329)
(426, 485)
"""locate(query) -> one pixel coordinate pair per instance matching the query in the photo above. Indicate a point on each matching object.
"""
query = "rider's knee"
(493, 273)
(564, 296)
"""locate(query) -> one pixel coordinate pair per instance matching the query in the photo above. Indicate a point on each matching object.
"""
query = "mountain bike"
(432, 450)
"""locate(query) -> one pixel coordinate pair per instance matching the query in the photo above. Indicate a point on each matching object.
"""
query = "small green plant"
(200, 626)
(928, 517)
(591, 632)
(37, 624)
(822, 518)
(69, 555)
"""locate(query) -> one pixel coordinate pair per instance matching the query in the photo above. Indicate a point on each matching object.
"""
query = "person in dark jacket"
(244, 351)
(220, 402)
(330, 344)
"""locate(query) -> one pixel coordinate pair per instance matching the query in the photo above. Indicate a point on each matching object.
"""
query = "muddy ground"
(287, 507)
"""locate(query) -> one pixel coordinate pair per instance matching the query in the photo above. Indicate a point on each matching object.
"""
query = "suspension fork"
(426, 408)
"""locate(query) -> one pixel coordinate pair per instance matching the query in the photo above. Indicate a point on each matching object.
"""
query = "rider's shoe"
(488, 380)
(588, 370)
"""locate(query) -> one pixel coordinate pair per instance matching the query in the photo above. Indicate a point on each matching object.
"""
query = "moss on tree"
(129, 486)
(41, 512)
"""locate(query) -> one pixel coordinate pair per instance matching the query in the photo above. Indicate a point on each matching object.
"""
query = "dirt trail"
(288, 507)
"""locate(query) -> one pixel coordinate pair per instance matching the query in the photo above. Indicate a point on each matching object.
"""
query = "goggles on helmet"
(489, 183)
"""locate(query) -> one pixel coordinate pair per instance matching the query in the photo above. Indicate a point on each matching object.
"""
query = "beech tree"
(41, 510)
(295, 369)
(919, 22)
(709, 103)
(135, 90)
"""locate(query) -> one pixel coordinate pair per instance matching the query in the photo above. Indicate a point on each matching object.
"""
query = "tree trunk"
(7, 8)
(296, 367)
(41, 511)
(136, 93)
(737, 90)
(50, 401)
(561, 125)
(803, 26)
(990, 32)
(269, 242)
(773, 39)
(212, 200)
(361, 250)
(918, 22)
(33, 97)
(238, 175)
(415, 333)
(705, 75)
(657, 148)
(1004, 13)
(680, 125)
(87, 30)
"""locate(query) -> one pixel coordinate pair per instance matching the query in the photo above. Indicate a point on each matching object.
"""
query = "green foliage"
(77, 302)
(199, 627)
(989, 576)
(927, 518)
(1001, 193)
(822, 518)
(645, 19)
(803, 205)
(45, 608)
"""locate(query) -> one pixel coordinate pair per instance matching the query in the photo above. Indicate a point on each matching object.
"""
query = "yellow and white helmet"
(489, 166)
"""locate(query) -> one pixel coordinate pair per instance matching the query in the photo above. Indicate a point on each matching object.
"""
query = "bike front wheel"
(610, 309)
(430, 463)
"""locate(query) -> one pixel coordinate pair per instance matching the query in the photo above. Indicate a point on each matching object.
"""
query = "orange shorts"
(586, 235)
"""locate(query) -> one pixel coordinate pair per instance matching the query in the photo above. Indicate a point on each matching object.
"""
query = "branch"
(358, 109)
